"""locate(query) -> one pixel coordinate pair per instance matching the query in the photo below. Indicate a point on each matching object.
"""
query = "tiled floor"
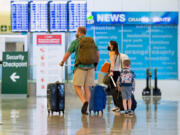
(28, 116)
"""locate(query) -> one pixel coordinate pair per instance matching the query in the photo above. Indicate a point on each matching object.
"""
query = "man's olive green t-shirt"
(73, 48)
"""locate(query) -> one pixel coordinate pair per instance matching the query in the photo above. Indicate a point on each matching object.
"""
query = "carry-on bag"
(56, 97)
(98, 99)
(106, 67)
(120, 102)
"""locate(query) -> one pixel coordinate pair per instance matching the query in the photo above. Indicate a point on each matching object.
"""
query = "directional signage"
(14, 77)
(14, 72)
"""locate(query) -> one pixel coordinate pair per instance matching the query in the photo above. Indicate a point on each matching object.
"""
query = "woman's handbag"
(107, 79)
(105, 68)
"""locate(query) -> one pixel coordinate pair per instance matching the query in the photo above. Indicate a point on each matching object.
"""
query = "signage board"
(58, 16)
(110, 18)
(77, 14)
(14, 73)
(19, 16)
(39, 16)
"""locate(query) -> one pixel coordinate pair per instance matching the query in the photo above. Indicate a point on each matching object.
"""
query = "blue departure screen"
(77, 14)
(39, 16)
(19, 17)
(58, 16)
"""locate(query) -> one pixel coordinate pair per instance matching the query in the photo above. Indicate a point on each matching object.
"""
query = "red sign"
(49, 39)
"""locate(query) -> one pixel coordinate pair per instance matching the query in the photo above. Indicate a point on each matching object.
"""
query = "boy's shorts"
(83, 77)
(126, 92)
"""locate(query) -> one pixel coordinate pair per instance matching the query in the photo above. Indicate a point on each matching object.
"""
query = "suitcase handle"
(113, 81)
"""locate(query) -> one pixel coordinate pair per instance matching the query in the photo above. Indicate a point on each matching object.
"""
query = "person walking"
(86, 59)
(116, 59)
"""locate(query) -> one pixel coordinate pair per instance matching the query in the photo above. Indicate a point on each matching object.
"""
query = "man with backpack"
(86, 59)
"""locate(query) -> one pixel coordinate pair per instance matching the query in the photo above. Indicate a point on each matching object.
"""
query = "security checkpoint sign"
(14, 72)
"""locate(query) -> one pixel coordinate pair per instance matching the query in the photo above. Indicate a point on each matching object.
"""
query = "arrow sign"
(14, 77)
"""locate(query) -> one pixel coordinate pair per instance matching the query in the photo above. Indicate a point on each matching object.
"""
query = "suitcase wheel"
(102, 112)
(94, 112)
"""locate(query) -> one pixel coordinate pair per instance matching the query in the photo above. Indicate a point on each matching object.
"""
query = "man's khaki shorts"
(83, 77)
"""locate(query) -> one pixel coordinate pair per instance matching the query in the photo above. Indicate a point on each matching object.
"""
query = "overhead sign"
(77, 14)
(14, 72)
(39, 16)
(19, 16)
(135, 17)
(58, 16)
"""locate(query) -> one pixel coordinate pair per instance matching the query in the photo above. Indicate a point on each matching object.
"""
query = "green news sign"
(14, 72)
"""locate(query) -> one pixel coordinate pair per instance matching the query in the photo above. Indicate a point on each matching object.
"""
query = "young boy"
(126, 84)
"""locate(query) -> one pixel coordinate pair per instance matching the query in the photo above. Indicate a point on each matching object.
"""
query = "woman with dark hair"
(116, 59)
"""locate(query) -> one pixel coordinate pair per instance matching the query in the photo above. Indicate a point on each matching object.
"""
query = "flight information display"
(19, 17)
(77, 14)
(58, 16)
(39, 16)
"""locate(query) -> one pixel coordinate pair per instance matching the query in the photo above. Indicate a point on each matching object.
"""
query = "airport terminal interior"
(36, 34)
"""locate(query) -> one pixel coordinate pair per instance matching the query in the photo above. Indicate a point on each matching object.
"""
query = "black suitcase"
(120, 105)
(56, 97)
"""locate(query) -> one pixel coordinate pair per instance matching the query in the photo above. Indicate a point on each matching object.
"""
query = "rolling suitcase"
(56, 97)
(120, 105)
(98, 99)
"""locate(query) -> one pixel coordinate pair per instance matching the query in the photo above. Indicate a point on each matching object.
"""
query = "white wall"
(5, 5)
(133, 5)
(169, 88)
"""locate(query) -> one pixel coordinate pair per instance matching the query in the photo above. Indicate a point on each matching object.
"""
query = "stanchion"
(147, 90)
(156, 90)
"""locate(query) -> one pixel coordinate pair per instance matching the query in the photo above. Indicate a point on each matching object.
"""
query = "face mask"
(109, 49)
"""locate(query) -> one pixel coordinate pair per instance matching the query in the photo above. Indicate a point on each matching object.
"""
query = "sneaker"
(84, 108)
(116, 113)
(126, 113)
(115, 108)
(130, 112)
